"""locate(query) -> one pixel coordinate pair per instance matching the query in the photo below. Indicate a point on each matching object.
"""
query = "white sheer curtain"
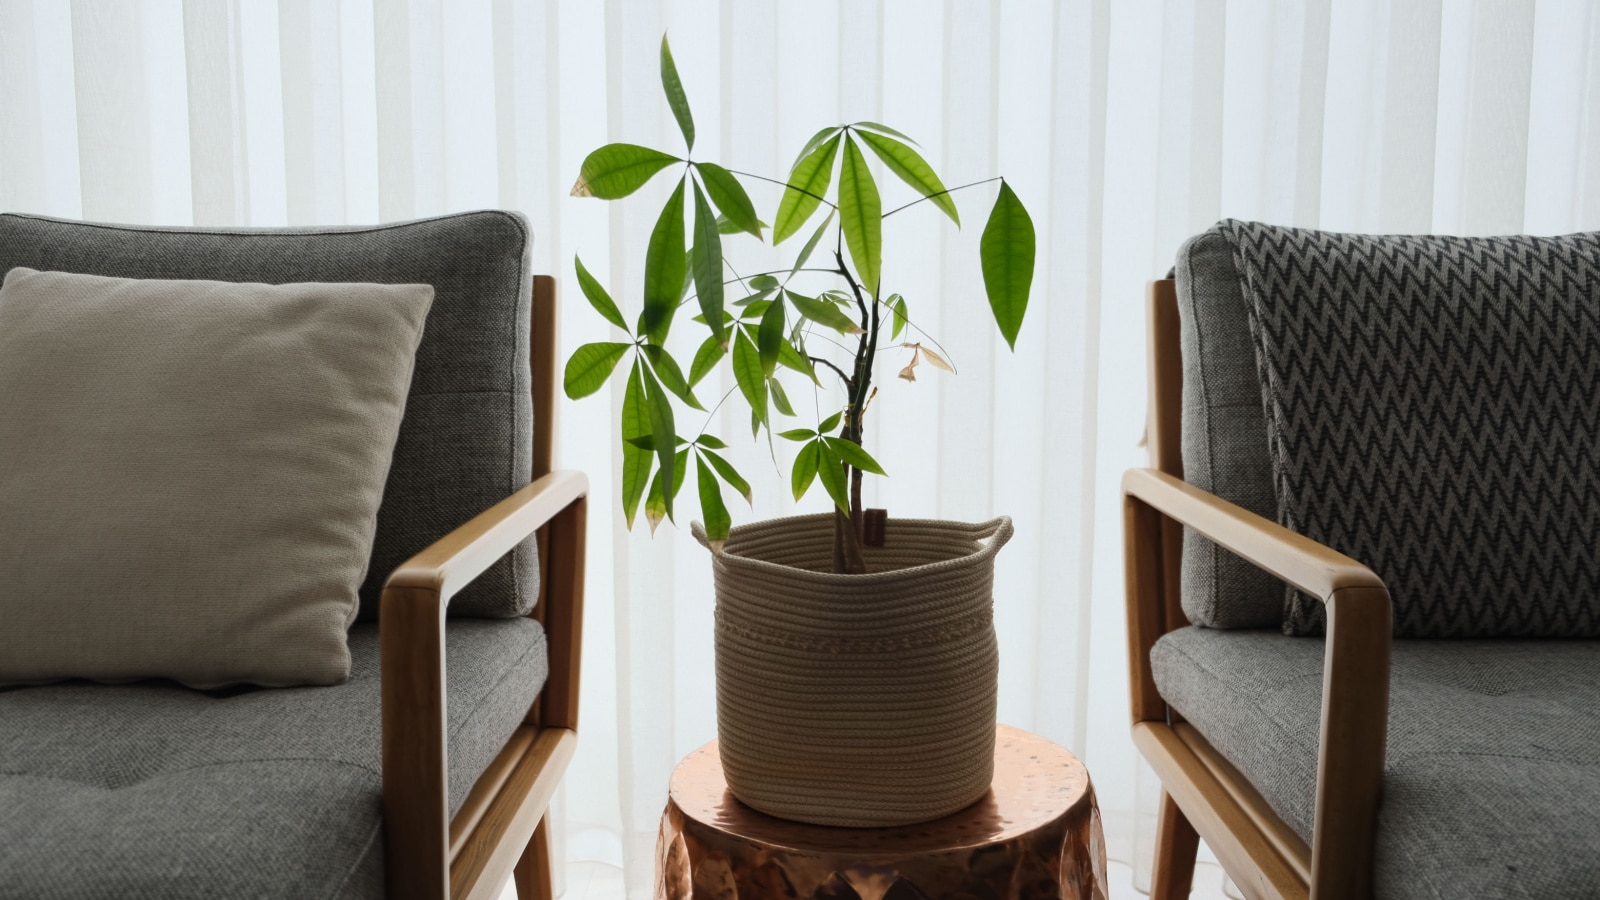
(1124, 126)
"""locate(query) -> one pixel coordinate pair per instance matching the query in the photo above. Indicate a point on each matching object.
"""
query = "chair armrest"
(1312, 567)
(411, 639)
(447, 565)
(1355, 682)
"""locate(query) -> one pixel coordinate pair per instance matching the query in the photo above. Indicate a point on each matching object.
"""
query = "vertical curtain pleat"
(397, 194)
(1492, 178)
(113, 115)
(1587, 196)
(1126, 127)
(218, 167)
(1410, 103)
(313, 119)
(21, 144)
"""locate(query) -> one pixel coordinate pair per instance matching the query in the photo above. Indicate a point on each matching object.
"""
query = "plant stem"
(777, 272)
(940, 194)
(840, 372)
(785, 184)
(847, 557)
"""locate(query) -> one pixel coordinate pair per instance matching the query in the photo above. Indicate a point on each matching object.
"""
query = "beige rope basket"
(857, 700)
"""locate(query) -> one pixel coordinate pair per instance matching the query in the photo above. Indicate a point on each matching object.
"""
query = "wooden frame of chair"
(500, 830)
(1202, 795)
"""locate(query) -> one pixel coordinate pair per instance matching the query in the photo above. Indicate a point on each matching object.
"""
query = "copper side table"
(1036, 834)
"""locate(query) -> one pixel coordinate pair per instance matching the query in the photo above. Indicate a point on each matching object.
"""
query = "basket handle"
(698, 529)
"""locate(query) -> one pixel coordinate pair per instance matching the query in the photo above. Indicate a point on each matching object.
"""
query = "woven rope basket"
(857, 700)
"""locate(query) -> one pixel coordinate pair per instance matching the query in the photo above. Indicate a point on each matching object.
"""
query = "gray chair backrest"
(467, 438)
(1428, 405)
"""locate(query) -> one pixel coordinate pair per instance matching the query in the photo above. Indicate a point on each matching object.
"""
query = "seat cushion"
(466, 441)
(1429, 407)
(152, 790)
(1492, 783)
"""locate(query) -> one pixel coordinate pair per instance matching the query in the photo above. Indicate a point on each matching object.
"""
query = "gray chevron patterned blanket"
(1433, 410)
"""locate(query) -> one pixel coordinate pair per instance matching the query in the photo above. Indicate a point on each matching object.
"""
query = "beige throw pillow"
(190, 473)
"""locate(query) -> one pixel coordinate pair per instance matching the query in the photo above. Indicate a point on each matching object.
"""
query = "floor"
(599, 881)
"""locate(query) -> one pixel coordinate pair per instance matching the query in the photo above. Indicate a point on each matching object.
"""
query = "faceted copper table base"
(1036, 834)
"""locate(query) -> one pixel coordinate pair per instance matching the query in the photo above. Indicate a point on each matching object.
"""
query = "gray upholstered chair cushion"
(1224, 435)
(156, 791)
(1431, 411)
(1492, 786)
(466, 440)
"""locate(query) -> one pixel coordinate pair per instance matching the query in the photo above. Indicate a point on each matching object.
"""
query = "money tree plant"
(758, 323)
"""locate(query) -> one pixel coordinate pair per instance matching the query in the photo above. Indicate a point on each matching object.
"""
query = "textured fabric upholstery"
(152, 791)
(1430, 411)
(466, 440)
(1492, 785)
(1224, 435)
(191, 473)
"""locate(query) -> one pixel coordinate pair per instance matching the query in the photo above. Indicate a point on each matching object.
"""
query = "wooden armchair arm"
(1355, 682)
(411, 639)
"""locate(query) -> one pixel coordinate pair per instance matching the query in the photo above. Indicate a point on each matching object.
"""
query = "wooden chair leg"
(534, 874)
(1176, 845)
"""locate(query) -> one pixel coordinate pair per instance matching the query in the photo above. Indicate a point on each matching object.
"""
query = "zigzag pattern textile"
(1433, 410)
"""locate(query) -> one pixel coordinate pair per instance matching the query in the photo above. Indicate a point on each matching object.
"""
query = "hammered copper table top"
(1039, 789)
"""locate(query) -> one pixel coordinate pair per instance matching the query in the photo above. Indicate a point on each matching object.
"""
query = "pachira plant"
(761, 322)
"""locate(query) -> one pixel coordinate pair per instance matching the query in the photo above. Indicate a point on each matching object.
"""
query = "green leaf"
(814, 143)
(794, 358)
(706, 263)
(852, 453)
(1007, 250)
(747, 371)
(861, 216)
(756, 309)
(665, 268)
(659, 504)
(764, 284)
(590, 366)
(598, 298)
(705, 359)
(823, 313)
(883, 129)
(805, 252)
(725, 225)
(730, 475)
(676, 98)
(711, 441)
(807, 184)
(666, 368)
(830, 423)
(617, 170)
(805, 469)
(797, 434)
(897, 304)
(635, 461)
(659, 408)
(780, 399)
(730, 197)
(770, 336)
(831, 473)
(912, 169)
(717, 520)
(727, 318)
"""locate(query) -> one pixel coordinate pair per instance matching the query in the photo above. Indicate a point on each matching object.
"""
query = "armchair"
(1379, 759)
(427, 774)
